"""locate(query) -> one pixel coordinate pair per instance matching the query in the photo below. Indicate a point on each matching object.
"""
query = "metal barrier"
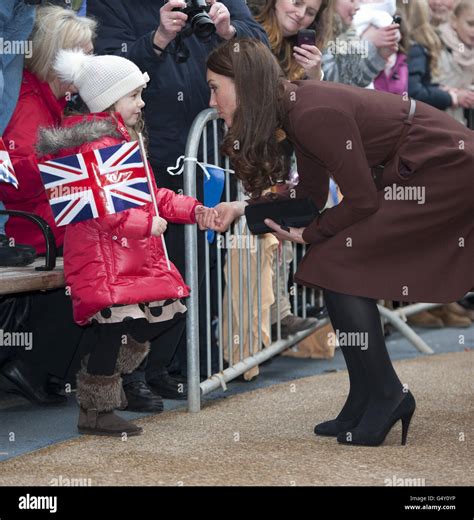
(257, 355)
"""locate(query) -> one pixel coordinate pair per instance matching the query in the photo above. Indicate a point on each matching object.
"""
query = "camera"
(201, 24)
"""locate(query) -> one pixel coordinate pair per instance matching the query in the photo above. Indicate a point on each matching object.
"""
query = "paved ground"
(24, 428)
(264, 437)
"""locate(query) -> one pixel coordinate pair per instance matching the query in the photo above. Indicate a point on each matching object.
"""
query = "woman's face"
(346, 9)
(440, 9)
(223, 96)
(464, 26)
(295, 15)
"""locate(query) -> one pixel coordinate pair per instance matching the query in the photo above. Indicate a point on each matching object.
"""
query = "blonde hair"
(282, 47)
(422, 32)
(335, 25)
(461, 6)
(55, 29)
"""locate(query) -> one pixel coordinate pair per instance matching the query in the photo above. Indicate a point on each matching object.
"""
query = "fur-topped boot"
(130, 355)
(136, 396)
(98, 396)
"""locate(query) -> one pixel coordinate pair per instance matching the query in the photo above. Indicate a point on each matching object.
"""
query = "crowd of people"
(94, 66)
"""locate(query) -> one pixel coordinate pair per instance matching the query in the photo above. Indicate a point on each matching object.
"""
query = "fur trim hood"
(54, 139)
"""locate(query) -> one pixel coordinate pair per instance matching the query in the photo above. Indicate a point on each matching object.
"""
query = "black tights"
(371, 374)
(103, 342)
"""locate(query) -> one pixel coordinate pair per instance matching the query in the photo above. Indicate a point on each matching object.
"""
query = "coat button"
(114, 237)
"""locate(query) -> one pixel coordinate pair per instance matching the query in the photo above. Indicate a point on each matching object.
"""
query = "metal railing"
(257, 354)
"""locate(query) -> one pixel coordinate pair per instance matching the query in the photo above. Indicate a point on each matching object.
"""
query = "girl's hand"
(158, 226)
(465, 98)
(205, 217)
(309, 57)
(294, 234)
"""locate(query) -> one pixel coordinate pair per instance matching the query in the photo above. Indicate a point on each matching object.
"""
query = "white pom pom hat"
(101, 80)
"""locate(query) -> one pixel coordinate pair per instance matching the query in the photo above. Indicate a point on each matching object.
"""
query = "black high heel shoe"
(335, 426)
(404, 412)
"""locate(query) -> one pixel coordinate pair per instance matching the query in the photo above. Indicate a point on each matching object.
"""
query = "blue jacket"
(176, 92)
(16, 23)
(420, 86)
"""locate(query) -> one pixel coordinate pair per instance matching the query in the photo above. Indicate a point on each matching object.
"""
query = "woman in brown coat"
(402, 232)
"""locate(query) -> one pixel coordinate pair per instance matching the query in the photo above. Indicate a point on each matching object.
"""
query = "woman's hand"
(294, 234)
(227, 212)
(158, 226)
(309, 57)
(220, 15)
(205, 217)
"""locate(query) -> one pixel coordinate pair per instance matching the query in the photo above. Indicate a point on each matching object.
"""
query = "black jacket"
(420, 86)
(176, 92)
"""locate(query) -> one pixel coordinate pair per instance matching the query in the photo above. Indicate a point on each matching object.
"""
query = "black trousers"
(103, 341)
(56, 337)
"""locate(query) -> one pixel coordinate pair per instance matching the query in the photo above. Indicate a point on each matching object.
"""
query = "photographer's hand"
(220, 15)
(171, 23)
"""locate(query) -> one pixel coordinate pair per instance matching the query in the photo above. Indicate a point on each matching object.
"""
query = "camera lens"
(202, 25)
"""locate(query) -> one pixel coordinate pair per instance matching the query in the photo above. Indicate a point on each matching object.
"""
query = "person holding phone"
(372, 245)
(296, 30)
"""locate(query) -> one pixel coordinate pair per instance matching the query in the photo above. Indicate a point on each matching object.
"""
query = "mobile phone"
(306, 36)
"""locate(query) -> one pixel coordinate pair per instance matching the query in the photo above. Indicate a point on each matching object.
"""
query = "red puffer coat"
(37, 107)
(114, 259)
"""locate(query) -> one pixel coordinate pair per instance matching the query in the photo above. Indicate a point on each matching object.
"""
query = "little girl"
(115, 265)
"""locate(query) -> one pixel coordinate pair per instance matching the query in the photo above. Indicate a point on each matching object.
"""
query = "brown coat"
(373, 244)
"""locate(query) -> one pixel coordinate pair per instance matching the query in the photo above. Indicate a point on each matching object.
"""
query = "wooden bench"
(25, 279)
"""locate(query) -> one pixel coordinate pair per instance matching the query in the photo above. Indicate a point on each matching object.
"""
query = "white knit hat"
(101, 80)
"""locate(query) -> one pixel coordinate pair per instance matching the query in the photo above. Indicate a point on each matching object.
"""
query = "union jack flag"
(7, 173)
(95, 183)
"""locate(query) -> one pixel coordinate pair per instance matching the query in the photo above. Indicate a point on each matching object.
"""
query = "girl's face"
(464, 26)
(346, 9)
(130, 106)
(295, 15)
(223, 96)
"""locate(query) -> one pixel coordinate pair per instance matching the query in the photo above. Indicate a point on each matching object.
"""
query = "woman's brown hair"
(282, 47)
(252, 141)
